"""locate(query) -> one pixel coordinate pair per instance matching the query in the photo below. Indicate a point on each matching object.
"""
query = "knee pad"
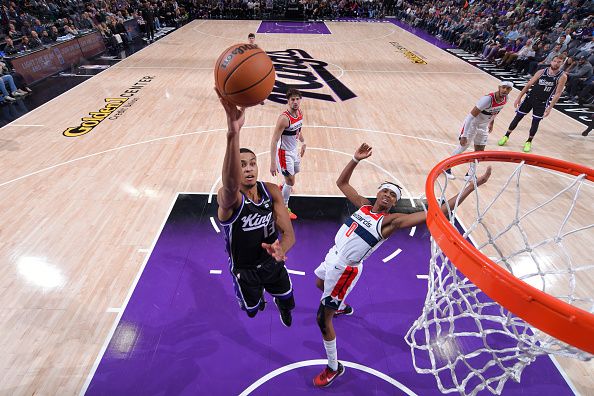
(320, 318)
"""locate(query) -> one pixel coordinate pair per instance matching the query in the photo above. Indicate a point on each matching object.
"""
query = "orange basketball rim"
(563, 321)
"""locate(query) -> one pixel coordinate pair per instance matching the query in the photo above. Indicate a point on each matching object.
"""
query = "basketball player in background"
(251, 212)
(547, 86)
(479, 123)
(252, 40)
(286, 157)
(359, 236)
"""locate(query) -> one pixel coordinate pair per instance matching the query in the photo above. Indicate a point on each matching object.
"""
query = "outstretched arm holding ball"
(252, 215)
(228, 196)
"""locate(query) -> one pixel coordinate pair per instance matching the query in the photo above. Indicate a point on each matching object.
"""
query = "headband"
(391, 187)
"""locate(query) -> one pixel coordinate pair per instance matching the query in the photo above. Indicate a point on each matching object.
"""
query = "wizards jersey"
(360, 235)
(290, 134)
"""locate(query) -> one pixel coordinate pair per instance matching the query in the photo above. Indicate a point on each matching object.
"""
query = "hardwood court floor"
(80, 213)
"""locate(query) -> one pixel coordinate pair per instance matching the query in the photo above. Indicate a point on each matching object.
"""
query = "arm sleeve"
(483, 103)
(467, 122)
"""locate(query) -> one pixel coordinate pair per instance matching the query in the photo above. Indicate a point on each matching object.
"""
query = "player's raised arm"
(228, 196)
(364, 151)
(281, 123)
(396, 221)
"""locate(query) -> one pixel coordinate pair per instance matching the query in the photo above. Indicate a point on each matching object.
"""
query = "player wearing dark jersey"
(547, 86)
(252, 214)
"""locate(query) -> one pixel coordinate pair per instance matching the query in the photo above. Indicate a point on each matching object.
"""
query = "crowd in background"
(517, 35)
(30, 24)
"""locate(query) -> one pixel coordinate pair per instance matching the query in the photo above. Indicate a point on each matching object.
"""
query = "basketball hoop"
(532, 321)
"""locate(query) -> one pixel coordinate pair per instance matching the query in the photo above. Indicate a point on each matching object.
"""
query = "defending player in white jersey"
(357, 239)
(286, 158)
(479, 123)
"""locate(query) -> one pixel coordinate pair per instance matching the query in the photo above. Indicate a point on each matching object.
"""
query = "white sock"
(332, 354)
(286, 193)
(459, 150)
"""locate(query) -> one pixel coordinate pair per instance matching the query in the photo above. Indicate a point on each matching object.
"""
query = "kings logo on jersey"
(255, 220)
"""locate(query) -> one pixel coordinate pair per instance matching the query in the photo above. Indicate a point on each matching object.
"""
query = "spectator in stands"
(35, 41)
(526, 55)
(19, 80)
(562, 41)
(26, 29)
(6, 79)
(585, 49)
(511, 53)
(546, 62)
(157, 21)
(25, 44)
(492, 47)
(121, 30)
(45, 38)
(542, 51)
(53, 34)
(38, 27)
(149, 17)
(70, 29)
(577, 77)
(12, 32)
(85, 22)
(9, 47)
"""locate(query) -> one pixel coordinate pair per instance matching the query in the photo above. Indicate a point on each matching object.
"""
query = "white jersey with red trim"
(290, 135)
(489, 108)
(360, 235)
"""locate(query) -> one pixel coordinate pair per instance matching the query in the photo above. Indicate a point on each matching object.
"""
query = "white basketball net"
(467, 341)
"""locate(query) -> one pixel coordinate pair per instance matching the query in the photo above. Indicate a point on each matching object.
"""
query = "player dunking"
(547, 86)
(251, 212)
(286, 158)
(479, 123)
(357, 239)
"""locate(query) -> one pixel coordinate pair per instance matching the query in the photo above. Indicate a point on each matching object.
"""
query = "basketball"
(244, 75)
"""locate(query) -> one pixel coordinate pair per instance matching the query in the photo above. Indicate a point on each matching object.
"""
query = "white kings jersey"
(489, 108)
(360, 235)
(288, 141)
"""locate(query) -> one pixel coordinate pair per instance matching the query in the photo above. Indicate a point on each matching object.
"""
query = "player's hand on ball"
(484, 177)
(235, 115)
(275, 250)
